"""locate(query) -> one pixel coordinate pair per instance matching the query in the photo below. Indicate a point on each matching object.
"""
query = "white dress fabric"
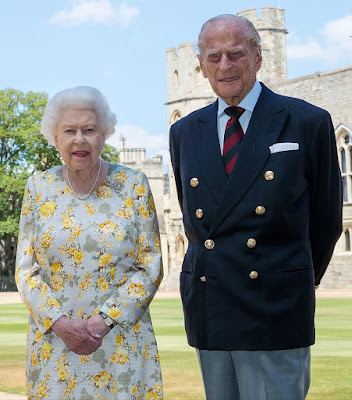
(76, 258)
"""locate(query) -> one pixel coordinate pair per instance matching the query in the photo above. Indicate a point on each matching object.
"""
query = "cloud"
(96, 11)
(334, 43)
(137, 137)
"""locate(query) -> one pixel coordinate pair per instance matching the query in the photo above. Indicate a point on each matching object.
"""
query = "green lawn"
(331, 356)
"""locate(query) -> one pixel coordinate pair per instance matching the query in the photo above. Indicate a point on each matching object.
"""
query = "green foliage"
(23, 150)
(110, 154)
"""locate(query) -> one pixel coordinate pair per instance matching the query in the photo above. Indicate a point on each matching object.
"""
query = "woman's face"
(79, 139)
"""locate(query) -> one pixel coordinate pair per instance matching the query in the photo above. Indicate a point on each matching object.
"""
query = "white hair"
(77, 97)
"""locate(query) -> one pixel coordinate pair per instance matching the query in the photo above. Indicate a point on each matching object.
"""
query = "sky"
(119, 47)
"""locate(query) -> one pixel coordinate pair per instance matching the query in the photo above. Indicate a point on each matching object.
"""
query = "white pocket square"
(277, 147)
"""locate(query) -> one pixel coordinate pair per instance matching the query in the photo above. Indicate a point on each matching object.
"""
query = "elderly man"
(259, 186)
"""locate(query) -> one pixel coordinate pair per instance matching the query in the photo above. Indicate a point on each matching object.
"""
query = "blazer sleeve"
(325, 219)
(175, 161)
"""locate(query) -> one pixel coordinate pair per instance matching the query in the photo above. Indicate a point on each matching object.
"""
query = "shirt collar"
(248, 103)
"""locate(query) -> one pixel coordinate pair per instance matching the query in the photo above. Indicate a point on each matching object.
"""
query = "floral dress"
(76, 258)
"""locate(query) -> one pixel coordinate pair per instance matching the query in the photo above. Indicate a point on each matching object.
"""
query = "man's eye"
(232, 55)
(214, 57)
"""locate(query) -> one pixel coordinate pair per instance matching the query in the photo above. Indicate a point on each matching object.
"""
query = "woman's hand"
(77, 335)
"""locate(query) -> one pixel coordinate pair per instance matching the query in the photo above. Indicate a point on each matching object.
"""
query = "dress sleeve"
(135, 292)
(34, 291)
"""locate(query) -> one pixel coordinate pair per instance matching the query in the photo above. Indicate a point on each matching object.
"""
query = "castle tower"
(271, 28)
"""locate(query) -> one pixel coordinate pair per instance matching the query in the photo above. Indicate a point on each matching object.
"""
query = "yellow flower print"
(102, 239)
(102, 379)
(38, 197)
(68, 222)
(56, 267)
(50, 178)
(121, 176)
(129, 202)
(115, 312)
(25, 209)
(53, 302)
(104, 192)
(151, 203)
(42, 389)
(38, 335)
(151, 395)
(47, 323)
(90, 210)
(134, 389)
(119, 339)
(133, 347)
(85, 284)
(69, 276)
(47, 209)
(34, 359)
(46, 241)
(85, 359)
(107, 227)
(144, 258)
(56, 282)
(63, 372)
(46, 350)
(26, 194)
(140, 190)
(119, 236)
(105, 259)
(78, 256)
(32, 282)
(143, 212)
(136, 290)
(137, 327)
(104, 286)
(80, 311)
(146, 353)
(119, 357)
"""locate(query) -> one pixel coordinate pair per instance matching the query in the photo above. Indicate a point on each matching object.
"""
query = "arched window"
(180, 248)
(344, 146)
(347, 240)
(176, 80)
(197, 75)
(176, 115)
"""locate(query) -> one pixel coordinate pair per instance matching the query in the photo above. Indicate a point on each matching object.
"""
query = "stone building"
(187, 91)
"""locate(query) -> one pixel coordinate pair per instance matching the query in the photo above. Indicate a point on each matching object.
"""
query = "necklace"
(83, 196)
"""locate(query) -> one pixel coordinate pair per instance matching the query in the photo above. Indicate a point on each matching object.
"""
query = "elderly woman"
(88, 264)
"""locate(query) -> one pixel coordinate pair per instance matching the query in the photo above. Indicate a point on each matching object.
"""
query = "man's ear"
(259, 58)
(202, 68)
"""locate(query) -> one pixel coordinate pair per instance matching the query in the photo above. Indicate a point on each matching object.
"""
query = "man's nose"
(225, 62)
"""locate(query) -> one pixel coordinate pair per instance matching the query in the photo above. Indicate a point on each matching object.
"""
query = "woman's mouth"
(81, 154)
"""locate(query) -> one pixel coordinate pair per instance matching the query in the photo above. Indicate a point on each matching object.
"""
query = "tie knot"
(234, 111)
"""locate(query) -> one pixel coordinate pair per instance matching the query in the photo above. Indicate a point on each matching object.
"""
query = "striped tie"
(233, 137)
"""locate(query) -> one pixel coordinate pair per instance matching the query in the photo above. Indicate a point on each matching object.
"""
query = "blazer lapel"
(264, 129)
(207, 151)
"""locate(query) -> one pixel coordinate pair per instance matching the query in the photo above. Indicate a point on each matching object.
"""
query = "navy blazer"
(257, 295)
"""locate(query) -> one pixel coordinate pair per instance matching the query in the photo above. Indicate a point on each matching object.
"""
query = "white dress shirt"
(248, 103)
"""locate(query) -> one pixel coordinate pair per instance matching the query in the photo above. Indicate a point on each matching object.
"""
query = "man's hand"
(77, 336)
(96, 325)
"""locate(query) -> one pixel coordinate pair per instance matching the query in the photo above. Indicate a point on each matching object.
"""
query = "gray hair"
(77, 97)
(253, 35)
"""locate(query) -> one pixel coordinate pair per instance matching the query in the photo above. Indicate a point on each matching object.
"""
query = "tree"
(23, 150)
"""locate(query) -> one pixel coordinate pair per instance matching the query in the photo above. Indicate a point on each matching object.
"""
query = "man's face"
(229, 60)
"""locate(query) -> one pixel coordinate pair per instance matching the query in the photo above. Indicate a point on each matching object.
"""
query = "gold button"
(203, 278)
(260, 210)
(251, 243)
(269, 175)
(253, 275)
(199, 213)
(194, 182)
(209, 244)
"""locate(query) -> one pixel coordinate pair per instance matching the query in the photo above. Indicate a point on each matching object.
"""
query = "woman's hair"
(77, 97)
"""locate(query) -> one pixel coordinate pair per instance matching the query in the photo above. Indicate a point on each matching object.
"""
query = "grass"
(331, 356)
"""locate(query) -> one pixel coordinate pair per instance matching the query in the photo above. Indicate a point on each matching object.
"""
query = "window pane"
(347, 241)
(343, 160)
(345, 191)
(347, 139)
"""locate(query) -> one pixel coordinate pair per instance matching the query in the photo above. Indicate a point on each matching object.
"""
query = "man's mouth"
(81, 154)
(229, 79)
